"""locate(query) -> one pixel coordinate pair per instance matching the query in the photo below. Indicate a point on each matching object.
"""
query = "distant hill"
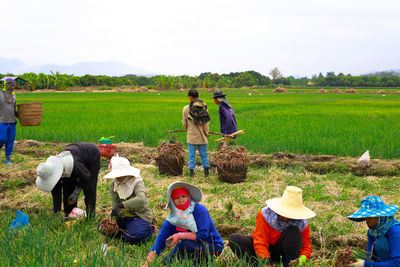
(109, 68)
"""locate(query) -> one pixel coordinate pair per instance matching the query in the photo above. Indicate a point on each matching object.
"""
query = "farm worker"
(65, 175)
(383, 247)
(281, 232)
(188, 227)
(195, 119)
(8, 115)
(225, 112)
(130, 204)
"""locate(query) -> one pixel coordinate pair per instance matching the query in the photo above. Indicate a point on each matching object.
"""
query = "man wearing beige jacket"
(195, 119)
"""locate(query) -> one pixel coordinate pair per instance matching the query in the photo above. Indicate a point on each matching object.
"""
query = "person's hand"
(116, 210)
(358, 263)
(150, 258)
(299, 261)
(73, 198)
(175, 240)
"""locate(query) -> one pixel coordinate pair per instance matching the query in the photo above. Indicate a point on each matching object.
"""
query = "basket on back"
(170, 158)
(30, 114)
(231, 164)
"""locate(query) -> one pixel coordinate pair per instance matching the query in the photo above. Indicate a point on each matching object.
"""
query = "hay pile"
(336, 91)
(350, 91)
(231, 163)
(381, 92)
(323, 91)
(279, 90)
(170, 158)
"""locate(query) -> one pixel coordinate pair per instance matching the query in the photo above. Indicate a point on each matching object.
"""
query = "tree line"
(58, 81)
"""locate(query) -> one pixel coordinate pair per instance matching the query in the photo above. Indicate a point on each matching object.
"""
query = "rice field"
(334, 124)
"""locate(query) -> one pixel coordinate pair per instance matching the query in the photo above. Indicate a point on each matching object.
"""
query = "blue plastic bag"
(20, 222)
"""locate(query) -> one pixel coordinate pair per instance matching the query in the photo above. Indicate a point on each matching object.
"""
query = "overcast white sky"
(300, 37)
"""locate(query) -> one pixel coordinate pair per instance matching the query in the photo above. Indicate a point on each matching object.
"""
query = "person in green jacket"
(130, 204)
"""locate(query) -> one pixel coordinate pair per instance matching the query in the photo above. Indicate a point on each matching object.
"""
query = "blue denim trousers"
(203, 154)
(7, 137)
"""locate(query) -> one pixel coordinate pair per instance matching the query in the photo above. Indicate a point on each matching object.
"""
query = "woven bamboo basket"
(30, 114)
(232, 175)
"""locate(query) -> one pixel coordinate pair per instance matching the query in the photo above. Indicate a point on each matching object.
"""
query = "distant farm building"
(19, 82)
(310, 83)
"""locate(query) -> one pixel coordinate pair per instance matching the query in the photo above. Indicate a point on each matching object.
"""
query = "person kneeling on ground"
(383, 246)
(65, 175)
(188, 227)
(281, 233)
(130, 204)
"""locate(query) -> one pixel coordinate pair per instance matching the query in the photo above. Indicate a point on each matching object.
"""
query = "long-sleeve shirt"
(206, 231)
(227, 119)
(196, 133)
(264, 235)
(8, 111)
(393, 236)
(136, 204)
(86, 162)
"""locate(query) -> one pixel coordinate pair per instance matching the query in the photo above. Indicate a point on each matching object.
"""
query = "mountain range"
(109, 68)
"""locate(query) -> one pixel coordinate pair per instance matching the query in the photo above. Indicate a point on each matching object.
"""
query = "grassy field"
(335, 124)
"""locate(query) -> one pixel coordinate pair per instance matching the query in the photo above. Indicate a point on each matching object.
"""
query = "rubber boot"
(8, 160)
(206, 171)
(191, 173)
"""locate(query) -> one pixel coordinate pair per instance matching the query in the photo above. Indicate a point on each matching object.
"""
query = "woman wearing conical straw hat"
(383, 248)
(281, 233)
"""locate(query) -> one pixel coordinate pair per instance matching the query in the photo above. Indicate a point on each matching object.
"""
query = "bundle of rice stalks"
(349, 255)
(350, 91)
(323, 91)
(232, 164)
(336, 91)
(381, 92)
(170, 158)
(280, 90)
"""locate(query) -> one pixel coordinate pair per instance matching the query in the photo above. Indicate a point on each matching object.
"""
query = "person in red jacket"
(281, 234)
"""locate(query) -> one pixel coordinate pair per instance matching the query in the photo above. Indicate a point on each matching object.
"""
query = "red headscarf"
(179, 192)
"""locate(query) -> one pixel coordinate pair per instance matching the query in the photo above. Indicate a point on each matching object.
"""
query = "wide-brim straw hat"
(194, 192)
(49, 173)
(290, 205)
(373, 206)
(120, 168)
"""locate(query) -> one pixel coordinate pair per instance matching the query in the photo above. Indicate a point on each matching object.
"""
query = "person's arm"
(184, 118)
(167, 229)
(261, 237)
(205, 128)
(306, 249)
(222, 118)
(15, 110)
(82, 173)
(202, 218)
(139, 200)
(393, 235)
(114, 196)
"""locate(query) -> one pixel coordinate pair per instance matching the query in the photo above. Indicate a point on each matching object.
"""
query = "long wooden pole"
(229, 136)
(183, 131)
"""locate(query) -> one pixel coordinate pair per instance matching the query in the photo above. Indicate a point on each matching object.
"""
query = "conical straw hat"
(290, 205)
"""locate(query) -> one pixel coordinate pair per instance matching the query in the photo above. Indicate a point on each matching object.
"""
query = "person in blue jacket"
(188, 227)
(383, 248)
(225, 112)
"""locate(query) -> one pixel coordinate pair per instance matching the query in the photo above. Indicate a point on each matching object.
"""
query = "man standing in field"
(8, 115)
(195, 119)
(225, 112)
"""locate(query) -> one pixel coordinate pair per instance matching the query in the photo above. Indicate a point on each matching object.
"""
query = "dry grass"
(350, 91)
(381, 92)
(280, 90)
(323, 91)
(336, 91)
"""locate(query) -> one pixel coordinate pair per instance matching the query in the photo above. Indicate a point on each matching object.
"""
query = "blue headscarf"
(276, 222)
(383, 225)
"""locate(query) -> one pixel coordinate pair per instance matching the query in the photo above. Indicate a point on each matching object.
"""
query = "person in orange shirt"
(281, 234)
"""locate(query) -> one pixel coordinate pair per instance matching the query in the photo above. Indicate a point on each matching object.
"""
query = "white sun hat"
(290, 205)
(49, 173)
(194, 191)
(121, 167)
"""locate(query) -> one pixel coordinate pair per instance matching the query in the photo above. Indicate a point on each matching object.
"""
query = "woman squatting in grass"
(130, 204)
(188, 227)
(8, 115)
(281, 233)
(383, 248)
(65, 175)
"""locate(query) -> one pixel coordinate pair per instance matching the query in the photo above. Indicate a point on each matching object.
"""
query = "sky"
(176, 37)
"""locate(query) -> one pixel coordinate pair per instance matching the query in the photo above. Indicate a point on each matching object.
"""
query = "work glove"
(299, 261)
(358, 263)
(73, 198)
(116, 210)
